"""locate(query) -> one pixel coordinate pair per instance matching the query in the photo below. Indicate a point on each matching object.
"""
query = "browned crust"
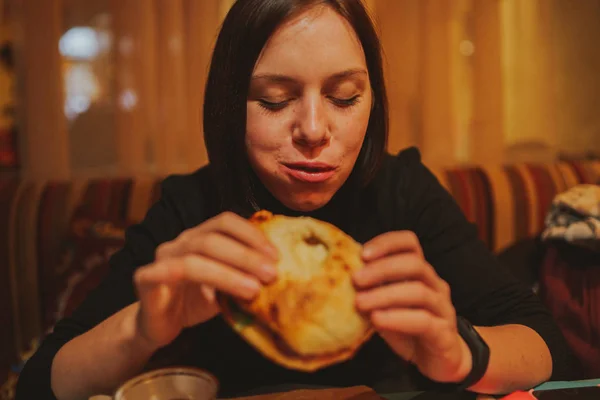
(273, 347)
(262, 332)
(261, 216)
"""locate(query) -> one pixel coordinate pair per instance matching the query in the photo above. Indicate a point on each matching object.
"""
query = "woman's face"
(308, 108)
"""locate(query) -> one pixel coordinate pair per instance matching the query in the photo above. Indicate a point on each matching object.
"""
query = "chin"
(308, 203)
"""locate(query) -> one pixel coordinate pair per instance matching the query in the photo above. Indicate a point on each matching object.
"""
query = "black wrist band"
(480, 353)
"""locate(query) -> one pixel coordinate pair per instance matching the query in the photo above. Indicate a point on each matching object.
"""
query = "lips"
(311, 172)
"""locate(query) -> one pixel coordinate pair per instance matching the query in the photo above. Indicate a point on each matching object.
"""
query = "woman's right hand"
(226, 253)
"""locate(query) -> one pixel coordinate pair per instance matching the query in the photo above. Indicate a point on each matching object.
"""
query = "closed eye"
(277, 106)
(345, 102)
(273, 106)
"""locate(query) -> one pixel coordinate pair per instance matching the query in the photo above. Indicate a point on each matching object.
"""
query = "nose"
(311, 128)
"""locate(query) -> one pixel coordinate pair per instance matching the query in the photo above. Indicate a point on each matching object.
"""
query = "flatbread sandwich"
(306, 319)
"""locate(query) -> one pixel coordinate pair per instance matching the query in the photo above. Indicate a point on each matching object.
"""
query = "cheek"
(353, 130)
(264, 138)
(260, 131)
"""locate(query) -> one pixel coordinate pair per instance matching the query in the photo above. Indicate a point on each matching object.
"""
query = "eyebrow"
(278, 78)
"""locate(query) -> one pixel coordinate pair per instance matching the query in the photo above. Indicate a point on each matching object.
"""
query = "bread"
(307, 318)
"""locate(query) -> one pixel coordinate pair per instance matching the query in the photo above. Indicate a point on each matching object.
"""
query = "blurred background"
(100, 99)
(115, 87)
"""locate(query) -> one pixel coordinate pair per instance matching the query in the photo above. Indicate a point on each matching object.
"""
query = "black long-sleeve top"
(405, 195)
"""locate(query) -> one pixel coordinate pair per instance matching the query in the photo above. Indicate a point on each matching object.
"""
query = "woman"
(295, 122)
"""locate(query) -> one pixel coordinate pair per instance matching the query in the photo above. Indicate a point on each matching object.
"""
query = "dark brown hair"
(244, 33)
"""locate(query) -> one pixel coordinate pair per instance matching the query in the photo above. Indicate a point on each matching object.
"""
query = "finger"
(435, 333)
(228, 251)
(419, 323)
(231, 252)
(199, 269)
(170, 249)
(228, 224)
(403, 345)
(196, 269)
(244, 231)
(400, 267)
(412, 294)
(391, 243)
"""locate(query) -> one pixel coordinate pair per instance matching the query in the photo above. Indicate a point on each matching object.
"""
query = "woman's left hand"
(410, 306)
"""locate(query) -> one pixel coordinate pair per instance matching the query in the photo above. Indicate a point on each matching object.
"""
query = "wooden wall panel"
(44, 144)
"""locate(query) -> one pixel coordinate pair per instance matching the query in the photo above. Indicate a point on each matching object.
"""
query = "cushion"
(570, 288)
(83, 263)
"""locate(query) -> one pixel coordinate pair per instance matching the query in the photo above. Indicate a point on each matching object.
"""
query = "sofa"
(41, 225)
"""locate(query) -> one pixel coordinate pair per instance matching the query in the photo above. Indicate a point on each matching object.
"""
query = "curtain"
(129, 103)
(466, 79)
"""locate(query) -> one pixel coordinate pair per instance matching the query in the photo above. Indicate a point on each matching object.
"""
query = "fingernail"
(359, 300)
(208, 292)
(357, 276)
(268, 271)
(251, 287)
(367, 252)
(272, 251)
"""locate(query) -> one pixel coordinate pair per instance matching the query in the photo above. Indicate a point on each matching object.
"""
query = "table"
(363, 392)
(545, 386)
(414, 395)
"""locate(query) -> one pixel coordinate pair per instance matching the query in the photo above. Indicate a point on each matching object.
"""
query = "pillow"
(83, 264)
(570, 289)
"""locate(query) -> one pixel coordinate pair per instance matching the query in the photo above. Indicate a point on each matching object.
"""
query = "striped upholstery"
(8, 192)
(507, 203)
(34, 217)
(510, 202)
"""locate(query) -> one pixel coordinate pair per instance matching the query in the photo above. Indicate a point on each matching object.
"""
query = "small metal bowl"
(175, 383)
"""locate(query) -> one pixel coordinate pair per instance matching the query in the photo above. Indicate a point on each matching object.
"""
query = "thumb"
(156, 298)
(403, 345)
